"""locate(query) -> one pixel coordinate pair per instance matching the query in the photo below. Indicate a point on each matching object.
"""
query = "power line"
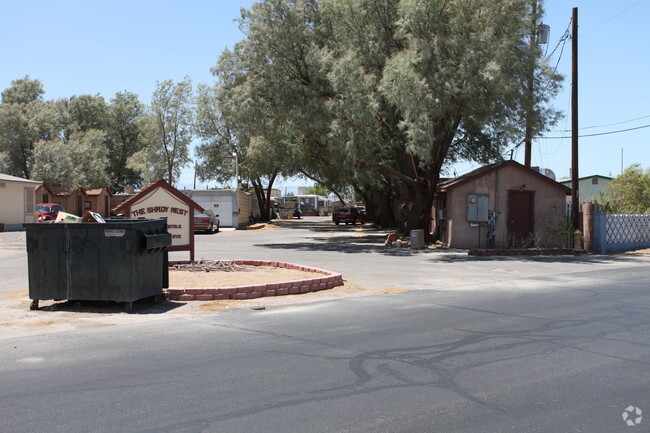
(612, 18)
(596, 135)
(603, 126)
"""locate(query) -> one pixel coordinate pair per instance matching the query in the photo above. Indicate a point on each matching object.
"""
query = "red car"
(46, 212)
(349, 214)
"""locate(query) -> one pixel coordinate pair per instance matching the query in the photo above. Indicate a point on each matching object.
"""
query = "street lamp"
(236, 171)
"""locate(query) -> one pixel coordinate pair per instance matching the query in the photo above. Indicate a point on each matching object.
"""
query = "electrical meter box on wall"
(477, 208)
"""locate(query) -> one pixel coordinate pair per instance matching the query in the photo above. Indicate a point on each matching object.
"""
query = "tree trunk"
(261, 200)
(419, 214)
(385, 215)
(264, 196)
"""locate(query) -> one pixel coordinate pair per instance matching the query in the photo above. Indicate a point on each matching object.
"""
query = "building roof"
(14, 179)
(61, 194)
(160, 183)
(98, 191)
(568, 179)
(490, 168)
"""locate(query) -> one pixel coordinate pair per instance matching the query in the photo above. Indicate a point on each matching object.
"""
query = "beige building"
(79, 201)
(17, 196)
(98, 200)
(500, 205)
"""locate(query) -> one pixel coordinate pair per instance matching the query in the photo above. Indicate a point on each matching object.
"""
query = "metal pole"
(236, 172)
(575, 211)
(530, 104)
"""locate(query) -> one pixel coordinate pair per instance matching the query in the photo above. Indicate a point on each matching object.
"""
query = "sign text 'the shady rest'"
(162, 202)
(158, 209)
(172, 226)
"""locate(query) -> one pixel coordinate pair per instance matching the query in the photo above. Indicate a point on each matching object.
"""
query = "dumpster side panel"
(116, 268)
(121, 260)
(43, 263)
(149, 274)
(81, 247)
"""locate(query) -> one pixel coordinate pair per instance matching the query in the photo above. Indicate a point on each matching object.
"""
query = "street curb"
(523, 252)
(325, 280)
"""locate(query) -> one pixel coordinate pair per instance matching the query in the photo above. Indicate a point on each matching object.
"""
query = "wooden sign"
(158, 200)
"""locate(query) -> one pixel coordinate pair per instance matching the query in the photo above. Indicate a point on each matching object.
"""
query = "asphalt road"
(472, 345)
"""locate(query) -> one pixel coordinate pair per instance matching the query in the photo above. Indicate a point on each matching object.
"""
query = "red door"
(521, 218)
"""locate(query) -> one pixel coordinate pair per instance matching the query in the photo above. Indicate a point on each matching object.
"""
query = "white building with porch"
(17, 196)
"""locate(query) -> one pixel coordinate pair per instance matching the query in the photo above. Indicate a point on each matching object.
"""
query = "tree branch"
(390, 171)
(325, 184)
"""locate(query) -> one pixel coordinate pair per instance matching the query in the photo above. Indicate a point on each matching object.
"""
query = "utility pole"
(530, 104)
(538, 36)
(575, 211)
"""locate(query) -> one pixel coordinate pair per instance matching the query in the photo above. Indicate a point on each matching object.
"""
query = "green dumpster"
(122, 260)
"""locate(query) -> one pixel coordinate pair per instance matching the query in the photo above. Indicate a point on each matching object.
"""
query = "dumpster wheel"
(34, 305)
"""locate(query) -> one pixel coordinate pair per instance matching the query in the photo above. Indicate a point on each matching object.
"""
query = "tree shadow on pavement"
(363, 243)
(580, 258)
(325, 226)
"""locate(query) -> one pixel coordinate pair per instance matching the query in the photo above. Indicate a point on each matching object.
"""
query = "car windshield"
(42, 208)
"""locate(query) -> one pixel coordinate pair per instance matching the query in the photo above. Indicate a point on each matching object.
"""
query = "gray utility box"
(122, 260)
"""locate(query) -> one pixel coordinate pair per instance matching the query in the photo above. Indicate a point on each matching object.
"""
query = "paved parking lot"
(358, 253)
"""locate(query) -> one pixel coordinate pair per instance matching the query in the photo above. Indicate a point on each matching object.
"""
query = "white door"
(29, 205)
(221, 206)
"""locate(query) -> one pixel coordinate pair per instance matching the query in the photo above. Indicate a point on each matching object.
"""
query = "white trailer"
(233, 208)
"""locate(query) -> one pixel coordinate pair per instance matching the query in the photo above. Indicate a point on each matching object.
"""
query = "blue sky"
(87, 47)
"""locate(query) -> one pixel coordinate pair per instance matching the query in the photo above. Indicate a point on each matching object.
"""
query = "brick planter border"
(325, 280)
(523, 252)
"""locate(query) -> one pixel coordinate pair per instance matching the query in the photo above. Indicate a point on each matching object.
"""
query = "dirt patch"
(243, 276)
(645, 252)
(387, 291)
(40, 323)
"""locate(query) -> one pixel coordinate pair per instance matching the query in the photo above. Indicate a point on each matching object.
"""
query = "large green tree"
(383, 95)
(25, 119)
(125, 137)
(23, 91)
(79, 162)
(109, 133)
(628, 193)
(169, 128)
(239, 117)
(84, 113)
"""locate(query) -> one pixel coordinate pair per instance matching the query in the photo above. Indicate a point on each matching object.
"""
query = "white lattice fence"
(623, 229)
